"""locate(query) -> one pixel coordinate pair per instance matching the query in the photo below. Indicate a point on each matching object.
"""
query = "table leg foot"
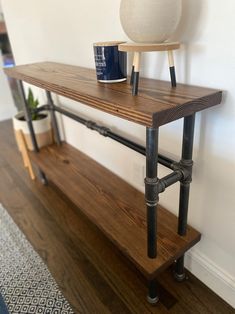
(42, 177)
(153, 296)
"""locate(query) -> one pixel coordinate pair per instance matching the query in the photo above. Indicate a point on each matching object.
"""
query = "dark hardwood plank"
(115, 207)
(157, 103)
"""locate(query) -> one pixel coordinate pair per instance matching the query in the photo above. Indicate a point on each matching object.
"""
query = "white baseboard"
(218, 280)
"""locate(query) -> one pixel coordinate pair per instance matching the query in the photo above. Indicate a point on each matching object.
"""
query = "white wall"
(7, 108)
(64, 31)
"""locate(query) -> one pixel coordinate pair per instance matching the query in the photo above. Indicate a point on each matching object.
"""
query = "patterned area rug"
(26, 284)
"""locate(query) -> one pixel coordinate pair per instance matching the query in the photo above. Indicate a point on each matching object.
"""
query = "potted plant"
(41, 124)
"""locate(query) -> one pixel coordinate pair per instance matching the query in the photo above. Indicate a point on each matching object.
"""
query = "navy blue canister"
(111, 64)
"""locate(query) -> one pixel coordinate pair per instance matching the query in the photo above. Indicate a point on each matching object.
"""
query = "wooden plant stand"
(137, 49)
(24, 152)
(145, 232)
(3, 29)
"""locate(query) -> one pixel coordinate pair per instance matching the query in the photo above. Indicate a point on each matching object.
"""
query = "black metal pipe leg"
(183, 208)
(179, 272)
(28, 117)
(153, 293)
(152, 231)
(132, 75)
(53, 118)
(186, 163)
(135, 87)
(182, 227)
(173, 76)
(151, 189)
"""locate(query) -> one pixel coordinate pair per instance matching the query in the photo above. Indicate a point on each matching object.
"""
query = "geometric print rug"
(26, 285)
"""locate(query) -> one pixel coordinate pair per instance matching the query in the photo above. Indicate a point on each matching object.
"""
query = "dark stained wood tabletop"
(157, 103)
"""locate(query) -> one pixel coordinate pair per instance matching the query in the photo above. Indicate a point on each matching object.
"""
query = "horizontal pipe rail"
(40, 109)
(163, 160)
(169, 180)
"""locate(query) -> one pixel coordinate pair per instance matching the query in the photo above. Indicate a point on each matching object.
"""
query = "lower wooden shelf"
(117, 208)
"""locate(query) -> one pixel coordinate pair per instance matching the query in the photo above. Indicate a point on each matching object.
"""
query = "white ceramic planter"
(150, 21)
(42, 129)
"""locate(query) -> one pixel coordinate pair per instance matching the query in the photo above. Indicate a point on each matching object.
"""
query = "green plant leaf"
(32, 104)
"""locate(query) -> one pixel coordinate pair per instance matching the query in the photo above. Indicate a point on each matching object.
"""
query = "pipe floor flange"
(152, 300)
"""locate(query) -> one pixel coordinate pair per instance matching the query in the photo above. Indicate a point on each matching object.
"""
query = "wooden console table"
(146, 233)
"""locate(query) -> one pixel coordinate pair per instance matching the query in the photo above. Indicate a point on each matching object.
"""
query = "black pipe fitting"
(95, 127)
(186, 168)
(151, 191)
(54, 123)
(169, 180)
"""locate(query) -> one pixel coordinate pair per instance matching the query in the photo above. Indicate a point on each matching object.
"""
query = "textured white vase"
(150, 21)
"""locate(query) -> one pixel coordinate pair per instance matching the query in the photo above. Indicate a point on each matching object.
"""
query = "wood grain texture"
(24, 152)
(115, 207)
(171, 58)
(137, 60)
(136, 47)
(89, 269)
(156, 104)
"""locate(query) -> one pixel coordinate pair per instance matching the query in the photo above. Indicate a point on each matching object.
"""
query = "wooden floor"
(91, 273)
